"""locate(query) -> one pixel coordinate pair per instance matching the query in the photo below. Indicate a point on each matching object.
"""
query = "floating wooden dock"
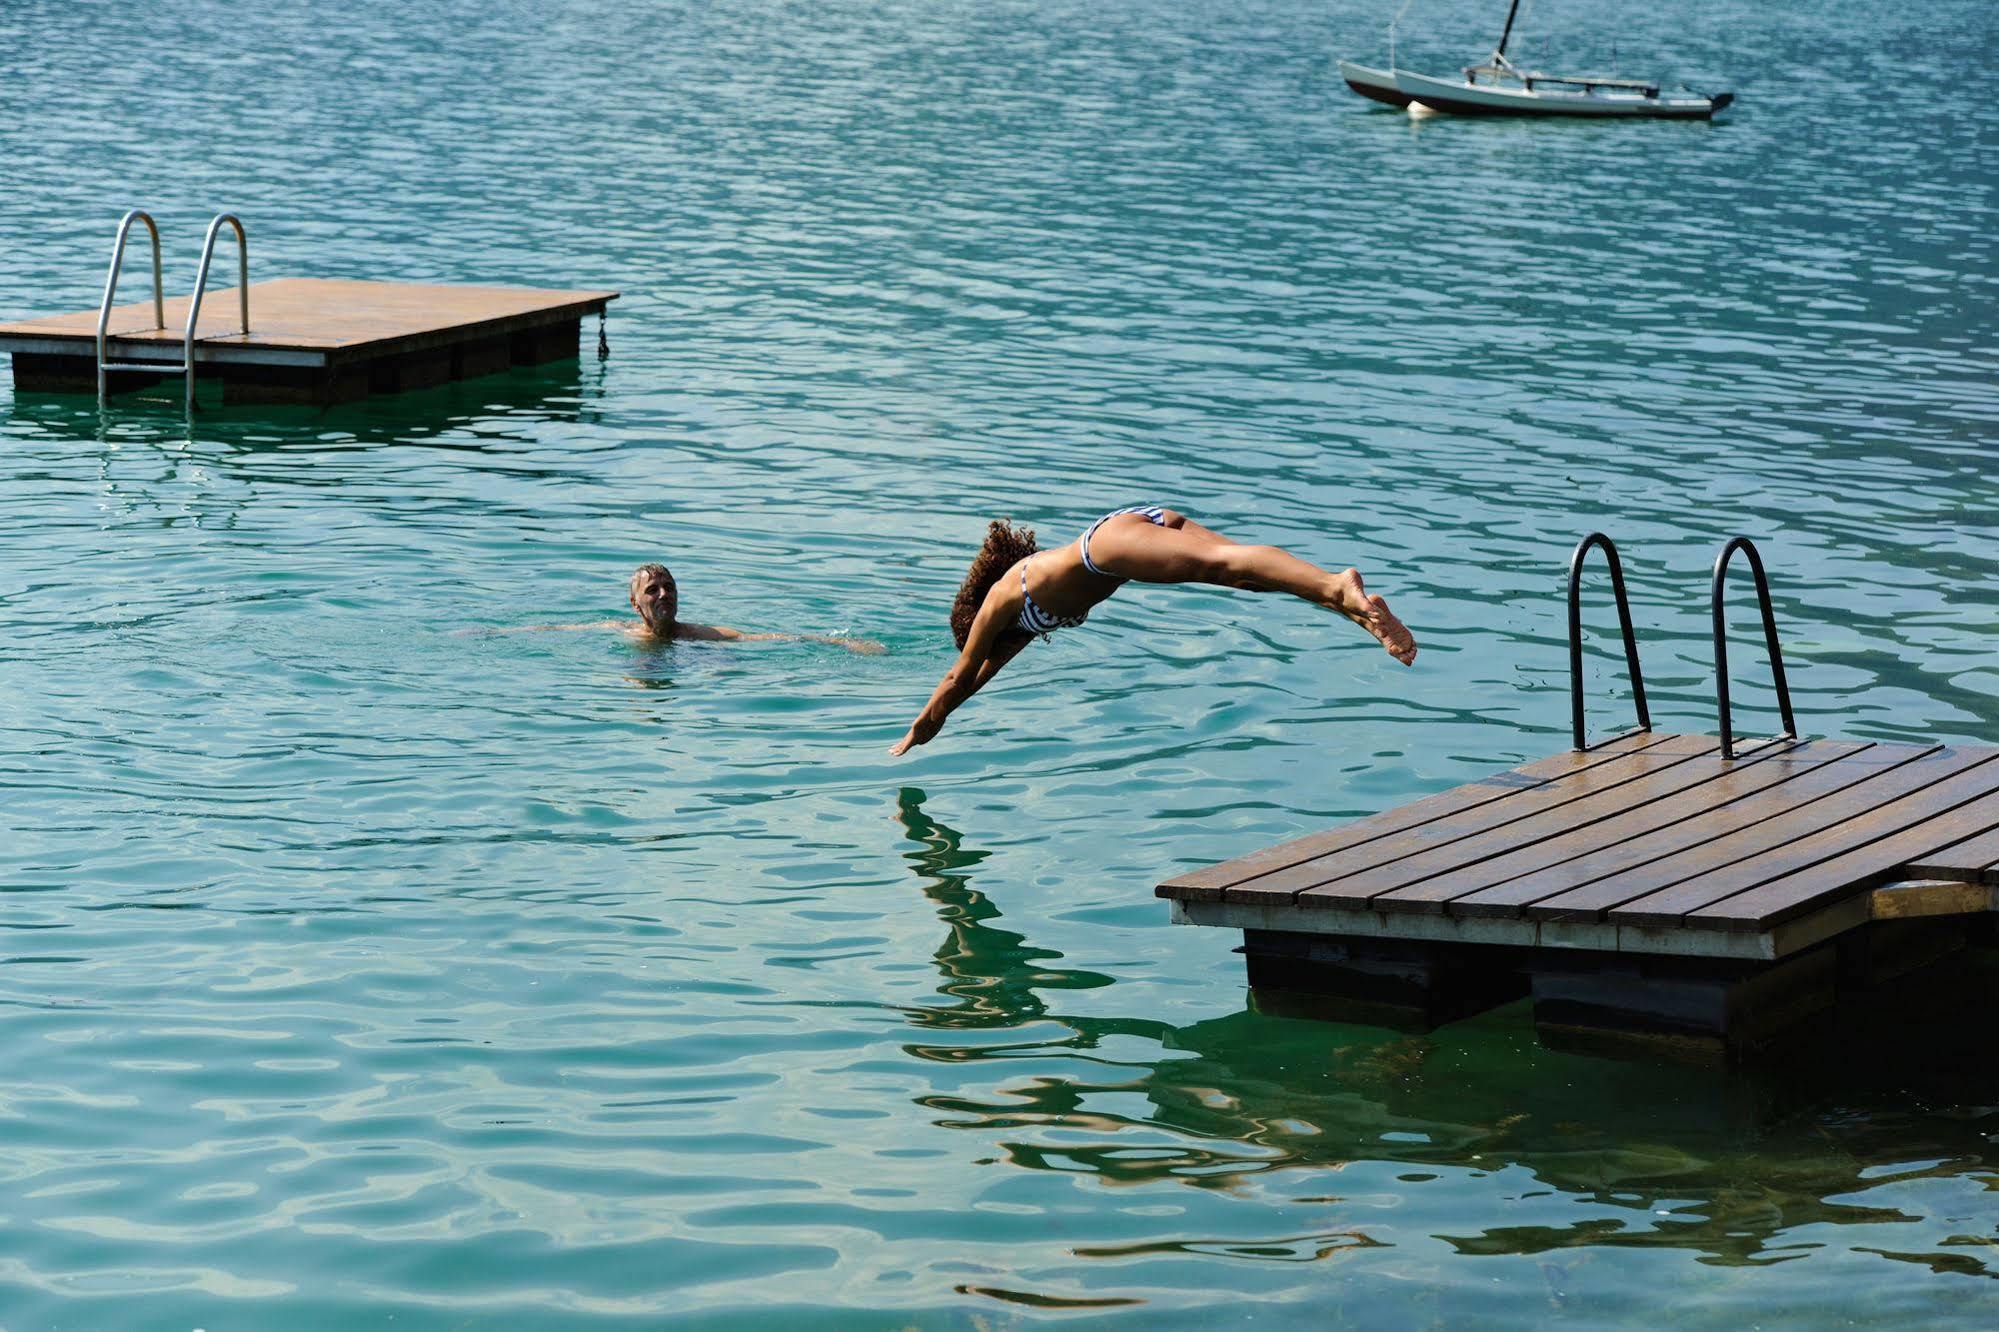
(1646, 888)
(311, 340)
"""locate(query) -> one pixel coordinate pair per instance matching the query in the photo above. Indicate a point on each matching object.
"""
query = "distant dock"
(311, 340)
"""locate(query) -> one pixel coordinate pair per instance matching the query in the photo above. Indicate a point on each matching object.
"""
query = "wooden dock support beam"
(1692, 1009)
(1409, 984)
(1697, 1009)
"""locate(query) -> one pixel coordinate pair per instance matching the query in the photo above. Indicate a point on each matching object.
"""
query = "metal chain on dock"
(603, 343)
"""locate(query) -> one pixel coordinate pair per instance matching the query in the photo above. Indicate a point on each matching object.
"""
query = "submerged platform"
(314, 340)
(1646, 886)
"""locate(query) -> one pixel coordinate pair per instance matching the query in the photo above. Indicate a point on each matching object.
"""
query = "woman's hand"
(978, 661)
(921, 732)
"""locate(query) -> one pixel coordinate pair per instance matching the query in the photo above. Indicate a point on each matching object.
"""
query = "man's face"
(657, 601)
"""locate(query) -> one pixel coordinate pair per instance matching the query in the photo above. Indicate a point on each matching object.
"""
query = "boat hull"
(1376, 85)
(1477, 99)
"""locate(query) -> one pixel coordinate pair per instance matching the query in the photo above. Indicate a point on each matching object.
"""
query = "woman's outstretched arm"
(986, 651)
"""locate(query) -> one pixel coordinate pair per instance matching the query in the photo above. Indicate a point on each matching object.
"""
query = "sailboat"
(1500, 88)
(1378, 84)
(1374, 84)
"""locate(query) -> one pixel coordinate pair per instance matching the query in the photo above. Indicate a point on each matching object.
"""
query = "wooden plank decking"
(314, 338)
(1631, 843)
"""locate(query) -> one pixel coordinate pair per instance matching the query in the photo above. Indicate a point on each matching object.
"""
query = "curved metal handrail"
(201, 287)
(1748, 547)
(111, 291)
(1576, 633)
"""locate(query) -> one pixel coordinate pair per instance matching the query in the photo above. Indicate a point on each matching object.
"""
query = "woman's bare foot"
(1351, 599)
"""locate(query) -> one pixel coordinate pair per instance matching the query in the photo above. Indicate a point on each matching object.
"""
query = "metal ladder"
(104, 364)
(111, 291)
(1717, 586)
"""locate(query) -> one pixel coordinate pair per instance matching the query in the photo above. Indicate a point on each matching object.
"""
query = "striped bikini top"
(1039, 622)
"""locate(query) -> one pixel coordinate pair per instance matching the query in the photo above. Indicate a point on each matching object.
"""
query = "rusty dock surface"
(1646, 888)
(312, 340)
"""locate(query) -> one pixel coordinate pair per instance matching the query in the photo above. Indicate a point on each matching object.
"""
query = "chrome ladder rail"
(1609, 549)
(104, 364)
(201, 287)
(1718, 586)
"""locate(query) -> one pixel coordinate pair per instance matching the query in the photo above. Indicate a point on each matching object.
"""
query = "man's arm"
(547, 628)
(719, 633)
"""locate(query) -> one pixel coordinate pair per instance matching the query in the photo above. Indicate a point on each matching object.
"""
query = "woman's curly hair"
(1006, 546)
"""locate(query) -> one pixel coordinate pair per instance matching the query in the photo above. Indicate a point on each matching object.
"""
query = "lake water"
(359, 967)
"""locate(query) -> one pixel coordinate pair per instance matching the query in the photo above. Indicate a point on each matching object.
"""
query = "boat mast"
(1391, 30)
(1511, 10)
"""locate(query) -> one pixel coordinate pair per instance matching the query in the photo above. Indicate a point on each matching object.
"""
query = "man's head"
(655, 597)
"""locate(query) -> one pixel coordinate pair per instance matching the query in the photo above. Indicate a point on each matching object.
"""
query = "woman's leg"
(1130, 547)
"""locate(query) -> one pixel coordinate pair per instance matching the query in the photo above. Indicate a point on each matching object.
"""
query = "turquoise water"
(359, 967)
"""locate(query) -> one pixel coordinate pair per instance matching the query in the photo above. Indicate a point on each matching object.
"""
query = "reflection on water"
(490, 410)
(1729, 1166)
(988, 971)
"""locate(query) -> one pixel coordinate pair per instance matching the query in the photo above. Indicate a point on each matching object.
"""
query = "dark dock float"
(311, 340)
(1684, 893)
